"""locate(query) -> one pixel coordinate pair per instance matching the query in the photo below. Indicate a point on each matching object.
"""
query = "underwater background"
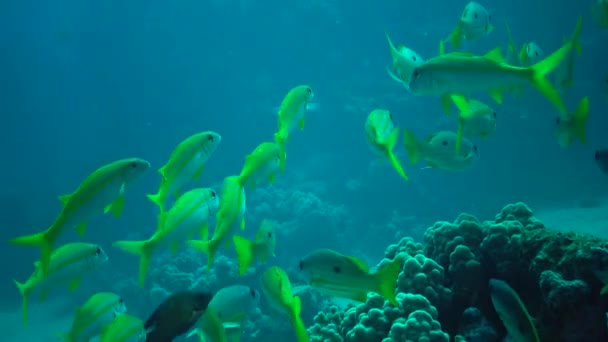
(84, 83)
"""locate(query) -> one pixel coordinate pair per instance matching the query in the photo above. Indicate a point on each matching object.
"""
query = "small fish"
(176, 315)
(564, 74)
(279, 293)
(291, 114)
(463, 73)
(530, 53)
(512, 312)
(601, 158)
(185, 164)
(262, 164)
(262, 247)
(97, 312)
(474, 23)
(68, 264)
(232, 305)
(382, 136)
(599, 10)
(573, 125)
(404, 61)
(438, 150)
(475, 119)
(102, 191)
(343, 276)
(124, 328)
(188, 217)
(231, 212)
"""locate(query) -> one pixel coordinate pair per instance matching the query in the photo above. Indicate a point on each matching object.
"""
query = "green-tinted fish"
(124, 328)
(343, 276)
(188, 217)
(262, 164)
(564, 74)
(101, 192)
(439, 151)
(404, 61)
(474, 23)
(68, 264)
(231, 213)
(573, 125)
(185, 164)
(475, 119)
(512, 312)
(291, 113)
(463, 73)
(278, 291)
(599, 10)
(512, 55)
(97, 312)
(382, 135)
(262, 247)
(530, 53)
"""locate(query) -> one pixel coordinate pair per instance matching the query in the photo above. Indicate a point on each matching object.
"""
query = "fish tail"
(65, 337)
(576, 43)
(412, 145)
(298, 325)
(157, 199)
(390, 146)
(546, 66)
(24, 296)
(387, 278)
(244, 251)
(208, 247)
(143, 249)
(580, 118)
(45, 240)
(281, 139)
(393, 49)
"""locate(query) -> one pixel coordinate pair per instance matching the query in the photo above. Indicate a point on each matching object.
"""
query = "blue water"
(83, 83)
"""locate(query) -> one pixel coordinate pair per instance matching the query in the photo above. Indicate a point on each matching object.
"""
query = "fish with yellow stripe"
(261, 247)
(185, 164)
(262, 164)
(101, 192)
(96, 313)
(382, 136)
(69, 263)
(187, 217)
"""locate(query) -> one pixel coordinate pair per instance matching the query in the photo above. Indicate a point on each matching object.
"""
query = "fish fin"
(144, 249)
(44, 240)
(298, 324)
(280, 138)
(604, 290)
(174, 247)
(301, 123)
(580, 117)
(395, 77)
(412, 145)
(390, 146)
(445, 103)
(441, 48)
(116, 207)
(204, 231)
(386, 278)
(162, 218)
(496, 95)
(271, 177)
(244, 252)
(242, 223)
(198, 173)
(489, 28)
(456, 37)
(576, 43)
(64, 199)
(523, 56)
(208, 247)
(73, 285)
(81, 228)
(24, 296)
(43, 294)
(543, 68)
(158, 199)
(212, 323)
(359, 263)
(64, 336)
(495, 55)
(460, 102)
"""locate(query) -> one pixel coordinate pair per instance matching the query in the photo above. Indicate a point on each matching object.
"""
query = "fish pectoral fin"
(446, 103)
(81, 228)
(495, 55)
(204, 231)
(242, 223)
(496, 95)
(271, 177)
(198, 172)
(74, 284)
(64, 199)
(116, 207)
(301, 123)
(174, 247)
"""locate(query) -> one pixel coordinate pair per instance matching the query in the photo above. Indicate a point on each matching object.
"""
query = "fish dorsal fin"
(430, 137)
(65, 198)
(36, 264)
(359, 263)
(460, 54)
(441, 48)
(495, 55)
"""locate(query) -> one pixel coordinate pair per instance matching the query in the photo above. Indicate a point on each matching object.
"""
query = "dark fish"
(601, 158)
(176, 315)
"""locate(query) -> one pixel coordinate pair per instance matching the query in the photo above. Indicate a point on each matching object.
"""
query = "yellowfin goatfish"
(231, 212)
(463, 73)
(279, 293)
(474, 23)
(343, 276)
(573, 125)
(291, 113)
(188, 216)
(564, 74)
(530, 53)
(439, 151)
(262, 164)
(404, 62)
(232, 305)
(97, 312)
(512, 312)
(475, 119)
(68, 264)
(185, 164)
(102, 191)
(262, 247)
(382, 135)
(124, 328)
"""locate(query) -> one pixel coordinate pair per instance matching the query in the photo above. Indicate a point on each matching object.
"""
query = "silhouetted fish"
(176, 315)
(601, 158)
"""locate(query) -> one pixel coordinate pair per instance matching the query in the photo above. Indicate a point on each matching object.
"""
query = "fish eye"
(536, 53)
(416, 73)
(133, 165)
(121, 301)
(475, 15)
(444, 143)
(269, 234)
(475, 148)
(414, 58)
(337, 269)
(494, 114)
(390, 116)
(308, 90)
(301, 265)
(558, 121)
(213, 194)
(252, 292)
(98, 251)
(210, 137)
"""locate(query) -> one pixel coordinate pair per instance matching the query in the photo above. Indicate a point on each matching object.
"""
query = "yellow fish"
(124, 328)
(262, 247)
(262, 164)
(97, 312)
(382, 135)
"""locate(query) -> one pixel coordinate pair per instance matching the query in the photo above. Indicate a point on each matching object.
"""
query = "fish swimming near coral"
(176, 315)
(512, 312)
